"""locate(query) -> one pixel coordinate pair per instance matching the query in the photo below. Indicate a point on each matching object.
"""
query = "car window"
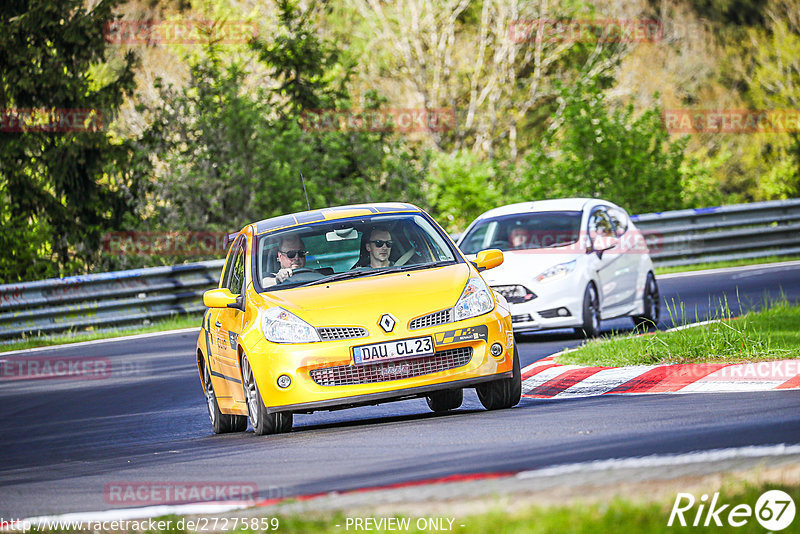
(340, 246)
(235, 275)
(600, 224)
(524, 231)
(620, 220)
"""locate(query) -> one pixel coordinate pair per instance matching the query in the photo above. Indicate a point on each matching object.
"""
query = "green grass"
(723, 264)
(173, 323)
(615, 516)
(770, 334)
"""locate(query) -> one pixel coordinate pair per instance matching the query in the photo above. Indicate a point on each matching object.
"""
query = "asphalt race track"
(64, 442)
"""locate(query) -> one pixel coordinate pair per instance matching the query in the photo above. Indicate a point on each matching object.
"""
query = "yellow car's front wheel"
(444, 401)
(262, 422)
(503, 393)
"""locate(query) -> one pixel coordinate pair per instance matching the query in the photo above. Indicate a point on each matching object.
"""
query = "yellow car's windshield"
(349, 248)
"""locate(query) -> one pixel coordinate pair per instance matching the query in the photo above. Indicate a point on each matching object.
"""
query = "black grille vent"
(432, 319)
(345, 375)
(332, 333)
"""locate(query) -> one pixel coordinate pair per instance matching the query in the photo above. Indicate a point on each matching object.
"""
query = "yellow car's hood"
(362, 301)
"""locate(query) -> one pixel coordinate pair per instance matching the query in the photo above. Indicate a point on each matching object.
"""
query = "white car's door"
(626, 271)
(606, 256)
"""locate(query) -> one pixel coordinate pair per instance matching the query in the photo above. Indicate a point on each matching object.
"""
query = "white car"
(569, 263)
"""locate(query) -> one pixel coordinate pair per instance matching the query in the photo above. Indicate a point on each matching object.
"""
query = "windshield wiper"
(355, 273)
(367, 271)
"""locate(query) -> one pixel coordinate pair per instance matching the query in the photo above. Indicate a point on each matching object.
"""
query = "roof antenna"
(304, 190)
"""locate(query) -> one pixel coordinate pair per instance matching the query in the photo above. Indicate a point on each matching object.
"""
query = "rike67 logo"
(774, 511)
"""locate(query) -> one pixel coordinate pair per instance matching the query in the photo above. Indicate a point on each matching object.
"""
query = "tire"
(503, 393)
(652, 301)
(444, 401)
(261, 421)
(221, 423)
(591, 312)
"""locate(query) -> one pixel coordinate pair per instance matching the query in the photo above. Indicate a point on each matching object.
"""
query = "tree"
(606, 154)
(226, 155)
(60, 184)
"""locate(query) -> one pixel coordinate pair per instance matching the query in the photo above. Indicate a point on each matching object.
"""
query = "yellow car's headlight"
(281, 326)
(475, 300)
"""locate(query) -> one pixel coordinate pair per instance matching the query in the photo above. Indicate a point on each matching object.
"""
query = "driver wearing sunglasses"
(291, 256)
(379, 246)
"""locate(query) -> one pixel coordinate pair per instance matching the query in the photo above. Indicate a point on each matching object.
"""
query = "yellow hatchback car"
(351, 306)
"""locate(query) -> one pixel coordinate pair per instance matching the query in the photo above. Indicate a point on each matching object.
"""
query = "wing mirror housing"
(488, 259)
(223, 298)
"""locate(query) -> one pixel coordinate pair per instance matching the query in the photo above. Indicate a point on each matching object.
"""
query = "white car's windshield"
(524, 231)
(349, 248)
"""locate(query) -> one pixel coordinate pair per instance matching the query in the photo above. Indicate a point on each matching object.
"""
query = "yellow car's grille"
(346, 375)
(432, 319)
(341, 332)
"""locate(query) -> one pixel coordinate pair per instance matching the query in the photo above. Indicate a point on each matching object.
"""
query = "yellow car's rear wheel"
(221, 423)
(261, 421)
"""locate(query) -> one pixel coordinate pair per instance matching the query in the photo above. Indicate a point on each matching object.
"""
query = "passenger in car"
(518, 238)
(379, 247)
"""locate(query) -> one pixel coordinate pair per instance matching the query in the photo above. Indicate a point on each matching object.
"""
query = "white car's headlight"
(281, 326)
(557, 271)
(475, 300)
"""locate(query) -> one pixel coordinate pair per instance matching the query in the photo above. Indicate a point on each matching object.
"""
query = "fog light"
(496, 349)
(284, 381)
(563, 312)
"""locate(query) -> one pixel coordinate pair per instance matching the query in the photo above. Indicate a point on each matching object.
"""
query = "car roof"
(561, 204)
(330, 214)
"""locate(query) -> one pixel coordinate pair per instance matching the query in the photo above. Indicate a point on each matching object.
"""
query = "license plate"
(393, 350)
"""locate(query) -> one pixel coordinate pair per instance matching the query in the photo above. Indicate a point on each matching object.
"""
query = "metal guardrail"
(106, 299)
(740, 231)
(137, 296)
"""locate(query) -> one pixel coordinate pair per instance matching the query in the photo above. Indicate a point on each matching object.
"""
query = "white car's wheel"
(591, 312)
(652, 302)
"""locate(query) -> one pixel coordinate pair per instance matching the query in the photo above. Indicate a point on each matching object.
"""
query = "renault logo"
(387, 322)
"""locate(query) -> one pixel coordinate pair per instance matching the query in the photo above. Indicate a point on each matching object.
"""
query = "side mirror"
(601, 243)
(488, 259)
(223, 298)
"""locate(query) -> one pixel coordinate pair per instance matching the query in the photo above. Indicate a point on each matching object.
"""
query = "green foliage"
(610, 154)
(225, 157)
(770, 334)
(460, 187)
(59, 189)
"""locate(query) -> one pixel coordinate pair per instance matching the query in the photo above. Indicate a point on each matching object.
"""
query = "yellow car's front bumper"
(325, 376)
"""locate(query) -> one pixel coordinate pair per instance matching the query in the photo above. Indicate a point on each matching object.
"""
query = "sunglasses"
(378, 243)
(292, 253)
